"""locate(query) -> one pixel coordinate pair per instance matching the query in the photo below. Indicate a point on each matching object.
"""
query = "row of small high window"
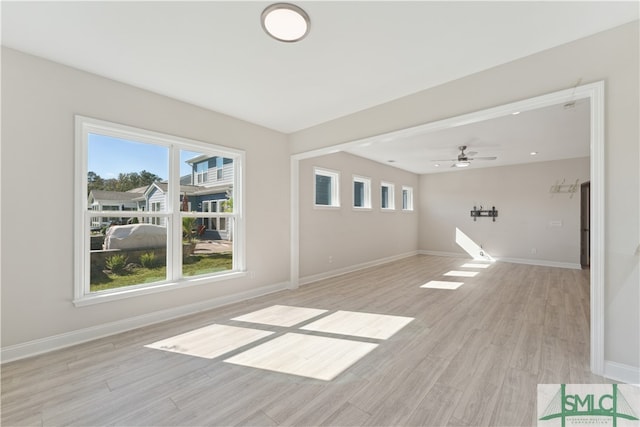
(327, 192)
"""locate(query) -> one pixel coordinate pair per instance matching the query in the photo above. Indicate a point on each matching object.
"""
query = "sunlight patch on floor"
(438, 284)
(211, 341)
(281, 315)
(475, 265)
(309, 356)
(367, 325)
(461, 273)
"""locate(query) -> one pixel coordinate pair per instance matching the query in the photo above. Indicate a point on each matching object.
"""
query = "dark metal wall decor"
(493, 213)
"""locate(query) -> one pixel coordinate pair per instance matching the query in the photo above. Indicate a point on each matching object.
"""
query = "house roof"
(191, 190)
(114, 195)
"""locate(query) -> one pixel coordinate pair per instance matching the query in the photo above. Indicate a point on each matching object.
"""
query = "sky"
(110, 156)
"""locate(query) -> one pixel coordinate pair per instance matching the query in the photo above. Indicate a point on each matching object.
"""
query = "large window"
(326, 187)
(387, 197)
(174, 226)
(361, 192)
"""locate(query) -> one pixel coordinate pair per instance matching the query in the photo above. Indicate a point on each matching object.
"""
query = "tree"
(124, 182)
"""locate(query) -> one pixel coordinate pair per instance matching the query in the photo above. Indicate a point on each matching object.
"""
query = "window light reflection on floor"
(211, 341)
(309, 356)
(280, 315)
(438, 284)
(302, 354)
(366, 325)
(475, 265)
(457, 273)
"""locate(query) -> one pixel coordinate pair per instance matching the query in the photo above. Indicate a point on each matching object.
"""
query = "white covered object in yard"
(135, 236)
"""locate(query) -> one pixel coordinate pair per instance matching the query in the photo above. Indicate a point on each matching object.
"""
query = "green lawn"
(192, 266)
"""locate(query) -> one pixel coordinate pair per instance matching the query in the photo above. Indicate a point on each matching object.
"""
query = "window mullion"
(174, 243)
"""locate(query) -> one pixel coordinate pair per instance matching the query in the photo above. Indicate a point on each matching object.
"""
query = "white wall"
(352, 236)
(611, 56)
(526, 210)
(39, 101)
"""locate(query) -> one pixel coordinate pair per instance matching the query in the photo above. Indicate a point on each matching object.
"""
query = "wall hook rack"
(559, 188)
(475, 213)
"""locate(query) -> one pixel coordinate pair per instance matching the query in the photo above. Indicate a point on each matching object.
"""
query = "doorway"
(585, 228)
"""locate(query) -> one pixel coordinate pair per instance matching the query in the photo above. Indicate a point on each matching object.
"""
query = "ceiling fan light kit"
(463, 160)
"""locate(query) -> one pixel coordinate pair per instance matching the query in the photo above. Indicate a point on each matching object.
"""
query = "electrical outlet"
(534, 251)
(330, 259)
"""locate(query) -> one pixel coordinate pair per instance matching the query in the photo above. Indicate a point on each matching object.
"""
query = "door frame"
(586, 184)
(594, 92)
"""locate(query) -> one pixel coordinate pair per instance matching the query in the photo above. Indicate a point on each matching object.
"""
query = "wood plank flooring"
(472, 356)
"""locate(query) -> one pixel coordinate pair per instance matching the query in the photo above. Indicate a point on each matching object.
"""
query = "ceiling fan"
(463, 159)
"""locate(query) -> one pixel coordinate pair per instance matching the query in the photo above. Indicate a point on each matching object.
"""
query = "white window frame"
(409, 191)
(335, 187)
(391, 198)
(82, 294)
(366, 199)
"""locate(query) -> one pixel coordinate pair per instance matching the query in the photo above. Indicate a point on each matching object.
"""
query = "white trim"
(444, 254)
(621, 372)
(340, 271)
(595, 93)
(538, 262)
(294, 239)
(44, 345)
(542, 263)
(144, 289)
(82, 215)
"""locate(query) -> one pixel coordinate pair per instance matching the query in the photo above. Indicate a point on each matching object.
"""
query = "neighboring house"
(102, 200)
(207, 188)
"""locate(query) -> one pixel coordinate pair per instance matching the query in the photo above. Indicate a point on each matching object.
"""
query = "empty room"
(322, 213)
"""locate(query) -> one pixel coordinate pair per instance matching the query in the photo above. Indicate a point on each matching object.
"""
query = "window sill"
(134, 291)
(329, 207)
(362, 209)
(387, 209)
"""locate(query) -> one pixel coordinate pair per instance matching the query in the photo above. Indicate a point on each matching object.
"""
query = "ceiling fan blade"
(483, 158)
(471, 153)
(445, 160)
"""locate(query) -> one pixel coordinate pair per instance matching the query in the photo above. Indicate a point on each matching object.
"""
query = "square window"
(326, 187)
(387, 197)
(361, 192)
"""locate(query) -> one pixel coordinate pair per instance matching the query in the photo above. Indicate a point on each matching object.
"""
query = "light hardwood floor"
(472, 356)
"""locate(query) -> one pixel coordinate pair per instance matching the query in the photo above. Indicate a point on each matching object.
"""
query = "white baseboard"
(444, 254)
(623, 373)
(333, 273)
(67, 339)
(542, 263)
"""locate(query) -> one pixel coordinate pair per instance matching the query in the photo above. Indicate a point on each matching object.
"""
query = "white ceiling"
(357, 55)
(555, 132)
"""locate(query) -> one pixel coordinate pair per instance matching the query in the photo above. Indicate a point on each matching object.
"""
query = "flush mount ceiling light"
(285, 22)
(462, 164)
